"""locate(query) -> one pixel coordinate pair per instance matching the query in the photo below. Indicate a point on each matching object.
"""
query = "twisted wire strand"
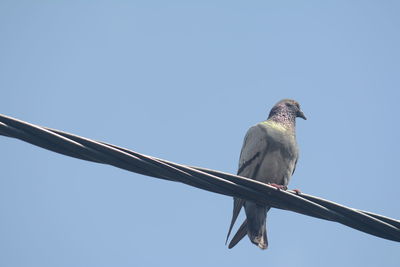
(211, 180)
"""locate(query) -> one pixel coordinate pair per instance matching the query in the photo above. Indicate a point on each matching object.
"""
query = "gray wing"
(295, 164)
(251, 155)
(254, 147)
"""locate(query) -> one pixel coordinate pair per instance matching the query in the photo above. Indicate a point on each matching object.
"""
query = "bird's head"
(287, 109)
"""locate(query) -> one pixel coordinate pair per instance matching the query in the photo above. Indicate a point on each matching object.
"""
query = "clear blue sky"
(183, 81)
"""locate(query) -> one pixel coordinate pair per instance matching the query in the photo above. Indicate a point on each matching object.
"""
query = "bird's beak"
(301, 115)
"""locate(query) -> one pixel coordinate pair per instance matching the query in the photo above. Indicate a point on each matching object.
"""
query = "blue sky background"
(184, 81)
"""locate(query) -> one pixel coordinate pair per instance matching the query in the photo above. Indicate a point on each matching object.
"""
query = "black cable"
(206, 179)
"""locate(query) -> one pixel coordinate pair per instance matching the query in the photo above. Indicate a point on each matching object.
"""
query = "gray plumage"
(269, 155)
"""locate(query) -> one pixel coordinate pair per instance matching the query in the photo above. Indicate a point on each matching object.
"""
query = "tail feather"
(241, 232)
(237, 206)
(256, 224)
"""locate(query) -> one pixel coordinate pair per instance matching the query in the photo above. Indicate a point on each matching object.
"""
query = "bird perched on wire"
(269, 155)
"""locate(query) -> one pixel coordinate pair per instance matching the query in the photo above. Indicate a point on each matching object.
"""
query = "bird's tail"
(241, 232)
(237, 206)
(256, 224)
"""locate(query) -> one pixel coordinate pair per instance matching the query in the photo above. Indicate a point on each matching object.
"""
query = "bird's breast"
(279, 160)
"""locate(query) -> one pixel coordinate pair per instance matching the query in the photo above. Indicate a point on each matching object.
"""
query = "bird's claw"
(297, 191)
(284, 187)
(279, 186)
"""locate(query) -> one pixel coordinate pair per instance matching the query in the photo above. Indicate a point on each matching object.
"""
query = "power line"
(206, 179)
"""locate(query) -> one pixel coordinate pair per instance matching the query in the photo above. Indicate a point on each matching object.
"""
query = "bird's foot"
(297, 191)
(279, 186)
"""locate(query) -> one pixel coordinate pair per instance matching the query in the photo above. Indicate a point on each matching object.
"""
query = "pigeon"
(269, 154)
